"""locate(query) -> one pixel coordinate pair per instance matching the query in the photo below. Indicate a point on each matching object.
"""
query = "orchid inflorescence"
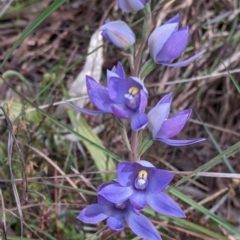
(139, 183)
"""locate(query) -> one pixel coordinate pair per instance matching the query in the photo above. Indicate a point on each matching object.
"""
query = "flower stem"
(145, 33)
(134, 146)
(133, 155)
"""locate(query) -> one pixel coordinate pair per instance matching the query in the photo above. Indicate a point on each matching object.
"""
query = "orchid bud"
(167, 42)
(118, 33)
(131, 5)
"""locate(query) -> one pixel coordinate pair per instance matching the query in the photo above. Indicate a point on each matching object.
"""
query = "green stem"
(134, 146)
(145, 34)
(133, 155)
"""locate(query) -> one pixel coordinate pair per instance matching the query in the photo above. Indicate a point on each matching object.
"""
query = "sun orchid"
(118, 33)
(164, 128)
(116, 213)
(167, 42)
(124, 98)
(143, 184)
(132, 5)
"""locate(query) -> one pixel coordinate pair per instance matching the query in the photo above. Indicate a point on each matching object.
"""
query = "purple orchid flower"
(143, 185)
(116, 213)
(124, 98)
(163, 128)
(132, 5)
(167, 42)
(118, 33)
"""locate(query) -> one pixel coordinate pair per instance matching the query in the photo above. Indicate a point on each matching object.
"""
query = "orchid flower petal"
(94, 213)
(119, 70)
(166, 99)
(111, 74)
(142, 226)
(83, 110)
(163, 204)
(139, 121)
(185, 62)
(138, 199)
(121, 111)
(117, 88)
(102, 200)
(100, 99)
(116, 193)
(92, 84)
(175, 19)
(115, 223)
(175, 45)
(180, 143)
(145, 163)
(118, 33)
(174, 125)
(159, 180)
(157, 116)
(159, 37)
(131, 5)
(126, 173)
(142, 101)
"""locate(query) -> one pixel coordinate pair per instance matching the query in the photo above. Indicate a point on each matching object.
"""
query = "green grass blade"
(195, 228)
(234, 82)
(17, 238)
(55, 5)
(218, 148)
(214, 161)
(101, 160)
(49, 236)
(52, 119)
(185, 224)
(205, 211)
(145, 145)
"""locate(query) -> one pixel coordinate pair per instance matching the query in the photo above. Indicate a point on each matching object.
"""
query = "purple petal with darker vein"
(83, 110)
(126, 173)
(118, 33)
(174, 125)
(116, 193)
(119, 70)
(117, 88)
(175, 19)
(159, 37)
(121, 111)
(145, 163)
(93, 84)
(100, 99)
(94, 213)
(138, 199)
(163, 204)
(185, 62)
(143, 100)
(142, 226)
(174, 46)
(166, 99)
(130, 5)
(157, 116)
(115, 223)
(105, 35)
(139, 121)
(180, 143)
(102, 200)
(159, 180)
(111, 74)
